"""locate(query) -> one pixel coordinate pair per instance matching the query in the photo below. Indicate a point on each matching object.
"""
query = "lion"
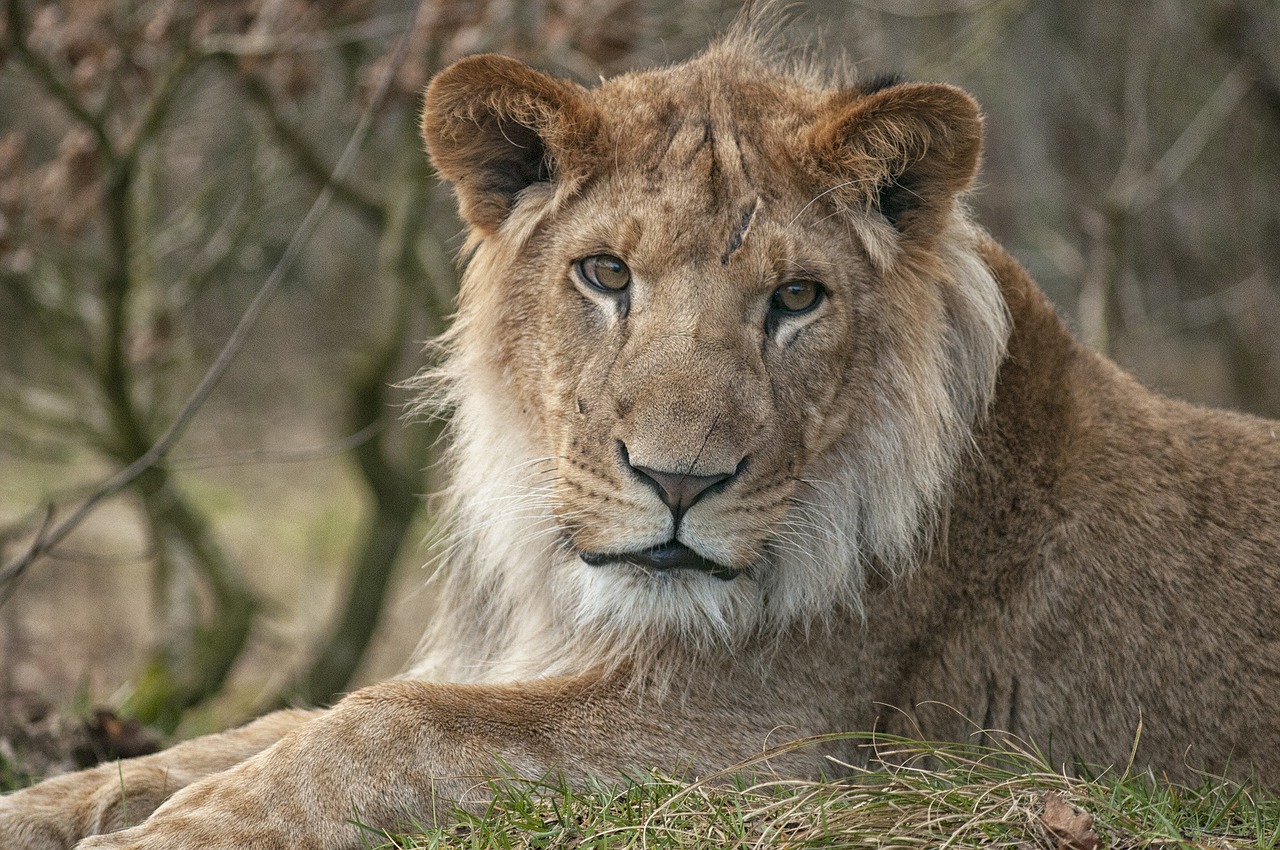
(758, 436)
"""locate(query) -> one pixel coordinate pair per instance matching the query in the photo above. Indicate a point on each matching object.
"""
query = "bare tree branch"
(52, 536)
(43, 71)
(308, 158)
(271, 44)
(1139, 193)
(255, 457)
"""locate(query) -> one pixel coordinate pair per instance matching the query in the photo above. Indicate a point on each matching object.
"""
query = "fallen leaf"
(1072, 827)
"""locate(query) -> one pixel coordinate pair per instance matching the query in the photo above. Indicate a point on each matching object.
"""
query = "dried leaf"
(1072, 827)
(109, 736)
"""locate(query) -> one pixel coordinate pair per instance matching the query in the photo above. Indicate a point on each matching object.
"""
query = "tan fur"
(943, 513)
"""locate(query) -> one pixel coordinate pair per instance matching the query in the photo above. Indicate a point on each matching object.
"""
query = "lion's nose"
(680, 491)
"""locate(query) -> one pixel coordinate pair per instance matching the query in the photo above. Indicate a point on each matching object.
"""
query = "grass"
(935, 796)
(12, 775)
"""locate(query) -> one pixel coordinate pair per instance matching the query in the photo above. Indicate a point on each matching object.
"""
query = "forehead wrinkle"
(686, 139)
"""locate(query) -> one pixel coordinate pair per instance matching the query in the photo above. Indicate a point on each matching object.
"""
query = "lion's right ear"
(494, 126)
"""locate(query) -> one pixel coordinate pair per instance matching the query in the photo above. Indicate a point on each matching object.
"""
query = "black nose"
(679, 491)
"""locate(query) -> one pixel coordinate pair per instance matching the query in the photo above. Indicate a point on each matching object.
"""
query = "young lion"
(758, 436)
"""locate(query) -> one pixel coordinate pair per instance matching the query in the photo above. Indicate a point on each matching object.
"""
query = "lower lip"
(666, 558)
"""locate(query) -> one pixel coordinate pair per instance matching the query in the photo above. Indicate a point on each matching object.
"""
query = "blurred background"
(158, 156)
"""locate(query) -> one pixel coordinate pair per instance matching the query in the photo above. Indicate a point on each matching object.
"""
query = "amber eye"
(604, 272)
(797, 296)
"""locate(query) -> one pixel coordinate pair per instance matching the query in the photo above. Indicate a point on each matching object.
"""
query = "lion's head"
(722, 339)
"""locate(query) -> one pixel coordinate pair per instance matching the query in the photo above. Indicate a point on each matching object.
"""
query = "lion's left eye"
(797, 296)
(604, 272)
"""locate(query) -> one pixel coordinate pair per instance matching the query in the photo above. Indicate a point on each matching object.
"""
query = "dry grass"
(933, 796)
(936, 796)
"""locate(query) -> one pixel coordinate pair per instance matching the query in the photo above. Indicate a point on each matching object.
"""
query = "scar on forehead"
(740, 232)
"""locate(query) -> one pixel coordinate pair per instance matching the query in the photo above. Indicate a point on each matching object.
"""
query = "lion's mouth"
(669, 556)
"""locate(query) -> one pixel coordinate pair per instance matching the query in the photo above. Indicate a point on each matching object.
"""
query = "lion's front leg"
(58, 812)
(403, 753)
(360, 760)
(386, 757)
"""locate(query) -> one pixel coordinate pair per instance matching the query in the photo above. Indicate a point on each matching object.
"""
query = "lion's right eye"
(604, 272)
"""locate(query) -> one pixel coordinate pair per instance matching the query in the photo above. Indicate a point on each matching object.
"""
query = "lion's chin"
(668, 557)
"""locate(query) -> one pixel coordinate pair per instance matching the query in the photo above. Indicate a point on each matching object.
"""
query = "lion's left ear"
(907, 149)
(494, 126)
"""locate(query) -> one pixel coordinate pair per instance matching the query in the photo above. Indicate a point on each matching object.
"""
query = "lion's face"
(701, 341)
(722, 338)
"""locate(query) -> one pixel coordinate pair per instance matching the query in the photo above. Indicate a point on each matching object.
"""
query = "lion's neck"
(1036, 410)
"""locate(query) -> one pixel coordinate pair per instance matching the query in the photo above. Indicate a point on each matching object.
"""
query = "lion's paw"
(129, 839)
(34, 819)
(32, 829)
(58, 812)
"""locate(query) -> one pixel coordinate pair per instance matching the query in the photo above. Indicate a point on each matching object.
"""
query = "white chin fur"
(625, 604)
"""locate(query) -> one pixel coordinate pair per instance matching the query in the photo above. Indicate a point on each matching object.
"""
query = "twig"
(923, 8)
(61, 553)
(260, 456)
(157, 106)
(47, 538)
(1132, 191)
(307, 157)
(6, 589)
(59, 89)
(1140, 193)
(261, 44)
